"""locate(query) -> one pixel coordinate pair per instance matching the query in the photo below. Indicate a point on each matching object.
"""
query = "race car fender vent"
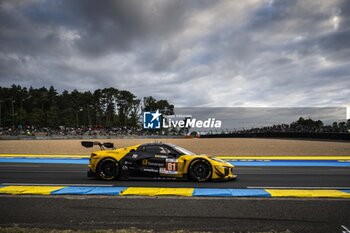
(219, 173)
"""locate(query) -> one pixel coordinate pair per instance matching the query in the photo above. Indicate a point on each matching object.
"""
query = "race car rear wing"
(103, 146)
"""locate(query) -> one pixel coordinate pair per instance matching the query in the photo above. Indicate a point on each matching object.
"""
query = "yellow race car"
(155, 160)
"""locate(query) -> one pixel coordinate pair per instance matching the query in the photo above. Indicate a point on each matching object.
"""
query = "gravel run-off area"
(229, 146)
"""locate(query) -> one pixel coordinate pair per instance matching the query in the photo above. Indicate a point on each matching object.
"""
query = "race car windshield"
(184, 151)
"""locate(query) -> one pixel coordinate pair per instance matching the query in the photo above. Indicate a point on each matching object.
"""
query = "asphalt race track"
(248, 177)
(178, 213)
(169, 213)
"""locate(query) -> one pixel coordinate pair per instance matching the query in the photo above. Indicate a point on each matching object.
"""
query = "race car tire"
(108, 169)
(200, 170)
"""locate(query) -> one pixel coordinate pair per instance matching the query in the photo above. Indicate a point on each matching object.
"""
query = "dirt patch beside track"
(229, 146)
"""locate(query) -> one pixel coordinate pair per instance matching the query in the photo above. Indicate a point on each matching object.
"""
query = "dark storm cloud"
(102, 28)
(117, 25)
(193, 53)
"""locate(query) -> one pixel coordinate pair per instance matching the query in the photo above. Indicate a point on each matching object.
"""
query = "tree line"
(45, 107)
(303, 125)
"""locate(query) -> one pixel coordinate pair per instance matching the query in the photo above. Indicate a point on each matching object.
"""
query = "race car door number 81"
(171, 166)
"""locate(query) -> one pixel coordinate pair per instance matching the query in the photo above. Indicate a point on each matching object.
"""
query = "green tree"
(151, 104)
(45, 107)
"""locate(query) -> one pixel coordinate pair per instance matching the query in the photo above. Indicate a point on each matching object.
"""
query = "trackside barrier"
(188, 192)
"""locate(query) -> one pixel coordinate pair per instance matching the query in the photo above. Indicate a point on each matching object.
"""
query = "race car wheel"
(108, 169)
(200, 170)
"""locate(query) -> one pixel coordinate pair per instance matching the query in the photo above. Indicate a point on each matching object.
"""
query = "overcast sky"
(192, 53)
(244, 117)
